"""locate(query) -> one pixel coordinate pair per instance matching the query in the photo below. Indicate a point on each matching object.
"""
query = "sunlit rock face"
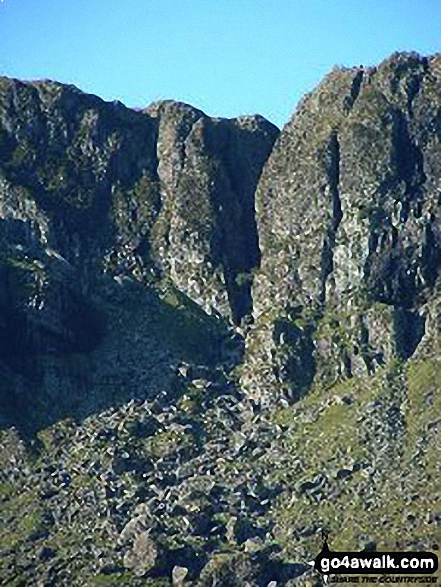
(348, 220)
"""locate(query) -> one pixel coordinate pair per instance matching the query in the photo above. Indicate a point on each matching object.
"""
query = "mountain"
(219, 340)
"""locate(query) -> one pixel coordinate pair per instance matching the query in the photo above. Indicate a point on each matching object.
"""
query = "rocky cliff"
(101, 205)
(218, 340)
(349, 227)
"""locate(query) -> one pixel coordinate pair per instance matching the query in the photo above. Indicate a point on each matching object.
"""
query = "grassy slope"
(404, 471)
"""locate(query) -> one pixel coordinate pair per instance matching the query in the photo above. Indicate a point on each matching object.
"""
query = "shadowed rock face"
(348, 219)
(136, 193)
(92, 192)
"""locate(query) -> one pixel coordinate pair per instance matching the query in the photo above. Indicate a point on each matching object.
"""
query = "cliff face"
(136, 193)
(206, 236)
(95, 198)
(346, 236)
(348, 219)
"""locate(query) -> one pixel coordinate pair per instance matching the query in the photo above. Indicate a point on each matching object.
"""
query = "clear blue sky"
(227, 57)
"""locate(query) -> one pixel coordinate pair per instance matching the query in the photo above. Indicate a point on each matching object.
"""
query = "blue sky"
(227, 57)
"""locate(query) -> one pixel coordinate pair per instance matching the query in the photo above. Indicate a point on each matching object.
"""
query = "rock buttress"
(348, 217)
